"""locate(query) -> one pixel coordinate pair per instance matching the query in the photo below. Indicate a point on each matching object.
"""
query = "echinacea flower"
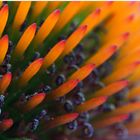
(69, 70)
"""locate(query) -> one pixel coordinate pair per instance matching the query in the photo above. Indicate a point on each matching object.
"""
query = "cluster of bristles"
(48, 78)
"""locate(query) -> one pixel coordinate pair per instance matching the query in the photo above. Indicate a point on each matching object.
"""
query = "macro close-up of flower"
(69, 70)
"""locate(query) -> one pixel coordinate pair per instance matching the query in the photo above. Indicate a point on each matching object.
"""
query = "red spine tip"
(125, 116)
(98, 11)
(125, 82)
(5, 7)
(84, 27)
(42, 94)
(8, 122)
(74, 115)
(126, 35)
(103, 98)
(9, 74)
(137, 63)
(114, 47)
(131, 17)
(57, 12)
(77, 80)
(34, 25)
(62, 42)
(5, 37)
(91, 66)
(40, 60)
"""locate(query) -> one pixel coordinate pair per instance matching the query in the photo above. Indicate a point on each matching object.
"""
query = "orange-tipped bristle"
(53, 54)
(92, 20)
(119, 17)
(21, 14)
(120, 30)
(133, 93)
(129, 27)
(132, 44)
(121, 40)
(47, 26)
(90, 104)
(25, 40)
(125, 35)
(60, 120)
(123, 20)
(82, 72)
(130, 18)
(111, 88)
(96, 17)
(102, 55)
(34, 101)
(3, 47)
(4, 82)
(125, 109)
(68, 13)
(74, 39)
(121, 73)
(5, 124)
(106, 64)
(118, 6)
(128, 59)
(107, 121)
(63, 89)
(39, 6)
(4, 12)
(30, 71)
(106, 10)
(118, 41)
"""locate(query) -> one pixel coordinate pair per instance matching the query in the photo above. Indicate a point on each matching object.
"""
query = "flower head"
(69, 70)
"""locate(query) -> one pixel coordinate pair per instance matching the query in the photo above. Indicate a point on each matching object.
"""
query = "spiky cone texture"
(69, 70)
